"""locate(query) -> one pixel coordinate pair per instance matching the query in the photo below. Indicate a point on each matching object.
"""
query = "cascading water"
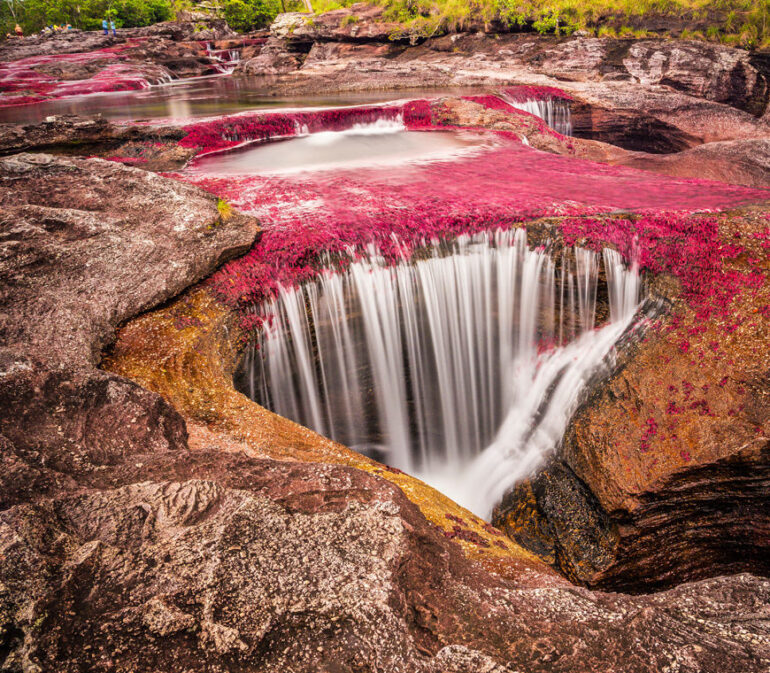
(224, 60)
(462, 366)
(554, 112)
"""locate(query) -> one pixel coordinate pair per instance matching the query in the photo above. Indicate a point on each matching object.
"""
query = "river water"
(201, 97)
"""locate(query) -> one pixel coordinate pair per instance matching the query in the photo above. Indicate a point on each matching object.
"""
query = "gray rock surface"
(85, 245)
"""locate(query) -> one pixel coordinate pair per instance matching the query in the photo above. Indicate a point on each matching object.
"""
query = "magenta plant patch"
(309, 217)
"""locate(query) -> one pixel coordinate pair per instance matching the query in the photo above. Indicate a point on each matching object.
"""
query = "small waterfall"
(462, 366)
(224, 60)
(554, 112)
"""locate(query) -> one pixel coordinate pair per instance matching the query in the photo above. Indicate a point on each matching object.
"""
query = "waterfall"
(223, 60)
(462, 366)
(554, 112)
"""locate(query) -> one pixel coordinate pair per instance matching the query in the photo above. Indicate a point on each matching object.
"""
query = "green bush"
(248, 15)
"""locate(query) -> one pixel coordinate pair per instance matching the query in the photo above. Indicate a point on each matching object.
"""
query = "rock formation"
(86, 245)
(663, 473)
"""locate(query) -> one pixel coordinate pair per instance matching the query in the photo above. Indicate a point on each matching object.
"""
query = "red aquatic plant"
(310, 218)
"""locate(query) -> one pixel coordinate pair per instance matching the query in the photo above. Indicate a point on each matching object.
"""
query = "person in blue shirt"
(112, 27)
(105, 26)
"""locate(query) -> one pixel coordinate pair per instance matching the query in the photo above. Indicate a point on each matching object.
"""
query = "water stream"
(555, 113)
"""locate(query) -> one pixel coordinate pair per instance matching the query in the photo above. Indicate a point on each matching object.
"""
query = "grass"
(744, 23)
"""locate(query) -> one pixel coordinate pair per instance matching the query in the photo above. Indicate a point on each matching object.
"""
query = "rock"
(86, 244)
(738, 162)
(63, 42)
(274, 59)
(703, 70)
(246, 562)
(150, 147)
(630, 129)
(663, 476)
(358, 23)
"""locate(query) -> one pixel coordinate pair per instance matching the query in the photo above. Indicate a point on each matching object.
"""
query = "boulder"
(85, 245)
(358, 23)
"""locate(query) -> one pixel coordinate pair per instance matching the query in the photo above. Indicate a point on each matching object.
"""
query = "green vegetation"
(738, 22)
(225, 209)
(32, 15)
(248, 15)
(743, 23)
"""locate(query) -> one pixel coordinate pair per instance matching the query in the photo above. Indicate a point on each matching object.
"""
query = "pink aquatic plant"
(310, 218)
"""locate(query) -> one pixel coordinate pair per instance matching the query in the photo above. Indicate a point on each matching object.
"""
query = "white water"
(224, 60)
(379, 127)
(555, 113)
(437, 365)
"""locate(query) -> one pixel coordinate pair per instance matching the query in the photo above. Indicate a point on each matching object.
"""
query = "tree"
(246, 15)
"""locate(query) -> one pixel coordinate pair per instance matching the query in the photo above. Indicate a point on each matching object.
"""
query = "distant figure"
(19, 32)
(112, 28)
(68, 27)
(105, 27)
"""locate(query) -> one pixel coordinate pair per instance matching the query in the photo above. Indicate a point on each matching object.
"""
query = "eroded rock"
(663, 475)
(85, 244)
(236, 566)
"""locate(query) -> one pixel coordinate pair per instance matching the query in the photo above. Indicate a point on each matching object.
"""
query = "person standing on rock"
(105, 27)
(19, 32)
(112, 28)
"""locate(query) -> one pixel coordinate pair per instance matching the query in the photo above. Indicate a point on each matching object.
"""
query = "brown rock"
(234, 565)
(86, 244)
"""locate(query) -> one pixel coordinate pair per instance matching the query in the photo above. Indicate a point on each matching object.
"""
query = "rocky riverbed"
(153, 518)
